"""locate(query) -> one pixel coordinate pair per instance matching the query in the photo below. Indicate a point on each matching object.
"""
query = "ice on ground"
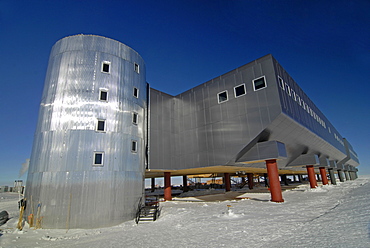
(328, 216)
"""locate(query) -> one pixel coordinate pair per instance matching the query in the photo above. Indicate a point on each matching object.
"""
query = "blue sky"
(324, 46)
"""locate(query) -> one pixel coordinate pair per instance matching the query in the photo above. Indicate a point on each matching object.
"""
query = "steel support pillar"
(324, 177)
(167, 186)
(346, 175)
(250, 180)
(273, 175)
(311, 176)
(266, 180)
(153, 184)
(227, 182)
(340, 175)
(243, 180)
(351, 175)
(299, 178)
(284, 179)
(332, 176)
(185, 184)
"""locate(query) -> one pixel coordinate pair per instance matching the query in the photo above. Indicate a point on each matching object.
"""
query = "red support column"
(167, 186)
(250, 180)
(311, 176)
(324, 177)
(273, 175)
(227, 182)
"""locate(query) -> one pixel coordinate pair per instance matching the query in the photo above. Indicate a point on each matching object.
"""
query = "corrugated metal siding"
(62, 177)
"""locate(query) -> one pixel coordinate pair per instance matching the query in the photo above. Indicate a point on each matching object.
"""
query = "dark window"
(98, 158)
(294, 95)
(239, 90)
(288, 89)
(103, 96)
(100, 126)
(259, 83)
(222, 96)
(106, 67)
(136, 92)
(137, 68)
(134, 118)
(299, 100)
(133, 146)
(281, 83)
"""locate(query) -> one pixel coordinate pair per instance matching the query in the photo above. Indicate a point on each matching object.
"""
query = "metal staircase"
(150, 211)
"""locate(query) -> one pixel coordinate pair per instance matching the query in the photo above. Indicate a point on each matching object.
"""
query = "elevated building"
(102, 129)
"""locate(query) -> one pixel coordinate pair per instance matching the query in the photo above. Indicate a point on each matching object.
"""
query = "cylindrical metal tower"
(88, 158)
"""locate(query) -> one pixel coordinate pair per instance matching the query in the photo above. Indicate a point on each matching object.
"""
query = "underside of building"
(102, 129)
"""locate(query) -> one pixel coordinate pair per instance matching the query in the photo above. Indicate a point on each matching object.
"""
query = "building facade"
(102, 129)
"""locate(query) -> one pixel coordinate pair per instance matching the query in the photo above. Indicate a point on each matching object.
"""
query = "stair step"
(146, 219)
(149, 212)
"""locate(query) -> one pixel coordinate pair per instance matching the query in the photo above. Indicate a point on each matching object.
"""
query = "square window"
(240, 90)
(287, 89)
(137, 68)
(105, 67)
(135, 117)
(98, 158)
(259, 83)
(100, 126)
(299, 100)
(281, 83)
(136, 92)
(222, 96)
(103, 95)
(133, 146)
(294, 96)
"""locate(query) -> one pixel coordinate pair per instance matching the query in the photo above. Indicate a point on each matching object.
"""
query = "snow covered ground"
(329, 216)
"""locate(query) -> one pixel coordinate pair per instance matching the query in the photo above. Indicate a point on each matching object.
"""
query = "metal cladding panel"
(333, 164)
(297, 105)
(324, 162)
(163, 144)
(351, 154)
(306, 159)
(213, 133)
(73, 189)
(300, 140)
(264, 151)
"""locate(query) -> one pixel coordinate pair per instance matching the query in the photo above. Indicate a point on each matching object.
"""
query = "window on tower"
(100, 125)
(105, 67)
(98, 159)
(136, 92)
(103, 95)
(133, 146)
